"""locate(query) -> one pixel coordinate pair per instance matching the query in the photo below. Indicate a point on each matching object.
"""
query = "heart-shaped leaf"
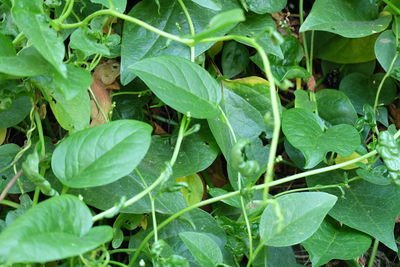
(102, 154)
(292, 218)
(181, 84)
(333, 241)
(305, 131)
(351, 19)
(54, 229)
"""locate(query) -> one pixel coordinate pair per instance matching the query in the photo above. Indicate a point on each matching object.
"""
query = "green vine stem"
(191, 28)
(303, 36)
(373, 253)
(9, 203)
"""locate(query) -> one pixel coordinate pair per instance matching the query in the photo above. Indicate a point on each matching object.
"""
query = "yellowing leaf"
(340, 159)
(194, 193)
(3, 134)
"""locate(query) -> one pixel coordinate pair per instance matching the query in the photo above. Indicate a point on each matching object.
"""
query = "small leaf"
(181, 84)
(202, 247)
(303, 101)
(333, 241)
(84, 40)
(3, 134)
(377, 175)
(266, 6)
(18, 110)
(7, 47)
(351, 19)
(339, 159)
(102, 154)
(292, 218)
(305, 132)
(386, 50)
(195, 189)
(31, 19)
(119, 5)
(54, 229)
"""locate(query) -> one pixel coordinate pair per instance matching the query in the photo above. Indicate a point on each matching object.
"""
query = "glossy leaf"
(305, 131)
(354, 19)
(203, 248)
(31, 19)
(195, 155)
(48, 232)
(361, 89)
(303, 101)
(367, 207)
(332, 241)
(335, 107)
(210, 4)
(181, 84)
(385, 50)
(102, 154)
(139, 43)
(338, 49)
(235, 58)
(293, 218)
(266, 6)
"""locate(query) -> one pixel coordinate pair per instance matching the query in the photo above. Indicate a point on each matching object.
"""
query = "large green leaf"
(18, 110)
(333, 241)
(28, 62)
(386, 50)
(73, 115)
(181, 84)
(202, 247)
(7, 47)
(235, 58)
(266, 6)
(367, 207)
(351, 19)
(335, 107)
(338, 49)
(305, 131)
(292, 218)
(139, 43)
(65, 89)
(195, 155)
(54, 229)
(254, 26)
(119, 5)
(361, 89)
(31, 19)
(102, 154)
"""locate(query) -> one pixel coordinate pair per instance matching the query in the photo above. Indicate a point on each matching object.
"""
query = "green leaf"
(181, 84)
(194, 191)
(303, 101)
(222, 23)
(351, 19)
(367, 207)
(28, 62)
(195, 155)
(119, 5)
(292, 218)
(139, 43)
(31, 19)
(377, 175)
(333, 241)
(65, 89)
(235, 58)
(7, 47)
(202, 247)
(361, 89)
(18, 110)
(210, 4)
(338, 49)
(73, 115)
(266, 6)
(275, 257)
(389, 150)
(304, 131)
(365, 68)
(50, 231)
(386, 50)
(102, 154)
(335, 107)
(255, 26)
(85, 40)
